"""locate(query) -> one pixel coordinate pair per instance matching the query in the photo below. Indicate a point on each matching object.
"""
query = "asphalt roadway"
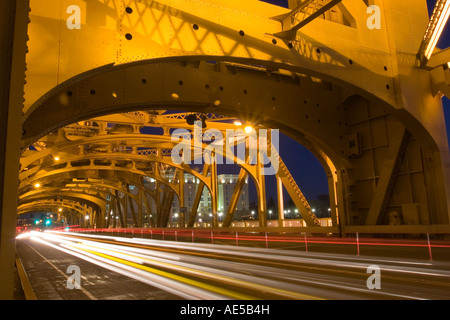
(119, 268)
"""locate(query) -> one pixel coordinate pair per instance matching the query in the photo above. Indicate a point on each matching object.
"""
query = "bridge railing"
(421, 247)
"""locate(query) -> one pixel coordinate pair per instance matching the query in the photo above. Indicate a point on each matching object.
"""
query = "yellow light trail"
(191, 282)
(236, 282)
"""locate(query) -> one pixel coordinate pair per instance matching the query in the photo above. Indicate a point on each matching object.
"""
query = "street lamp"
(248, 129)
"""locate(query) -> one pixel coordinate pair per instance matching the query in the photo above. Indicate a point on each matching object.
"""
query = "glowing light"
(23, 235)
(238, 123)
(57, 158)
(60, 209)
(438, 29)
(248, 129)
(37, 185)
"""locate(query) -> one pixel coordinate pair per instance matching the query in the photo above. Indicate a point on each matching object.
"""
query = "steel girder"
(43, 168)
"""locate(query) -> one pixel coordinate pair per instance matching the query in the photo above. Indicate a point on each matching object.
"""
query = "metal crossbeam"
(387, 179)
(291, 33)
(235, 197)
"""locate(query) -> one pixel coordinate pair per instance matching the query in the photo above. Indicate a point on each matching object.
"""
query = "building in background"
(226, 185)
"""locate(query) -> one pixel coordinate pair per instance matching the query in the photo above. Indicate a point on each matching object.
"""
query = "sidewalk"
(21, 284)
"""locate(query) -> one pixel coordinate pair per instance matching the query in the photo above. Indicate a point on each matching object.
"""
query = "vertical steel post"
(357, 242)
(13, 44)
(429, 247)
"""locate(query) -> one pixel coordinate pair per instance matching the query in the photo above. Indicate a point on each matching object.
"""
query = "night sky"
(304, 167)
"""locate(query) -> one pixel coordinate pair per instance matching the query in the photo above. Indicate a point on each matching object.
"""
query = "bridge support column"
(280, 202)
(215, 193)
(13, 40)
(262, 208)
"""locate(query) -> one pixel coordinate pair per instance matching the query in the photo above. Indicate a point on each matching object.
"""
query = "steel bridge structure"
(359, 83)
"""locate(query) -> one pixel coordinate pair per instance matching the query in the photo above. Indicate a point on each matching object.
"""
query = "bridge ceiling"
(118, 32)
(95, 158)
(64, 207)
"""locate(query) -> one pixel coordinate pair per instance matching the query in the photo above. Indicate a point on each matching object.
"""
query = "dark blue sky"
(304, 167)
